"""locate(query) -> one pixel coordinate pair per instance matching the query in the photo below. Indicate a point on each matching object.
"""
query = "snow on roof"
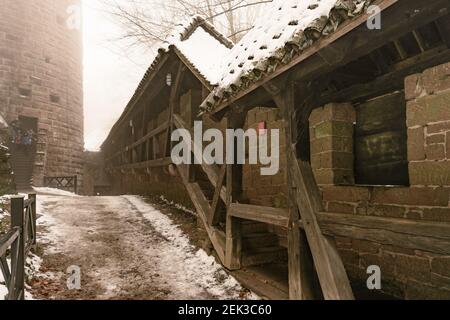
(199, 42)
(204, 52)
(286, 29)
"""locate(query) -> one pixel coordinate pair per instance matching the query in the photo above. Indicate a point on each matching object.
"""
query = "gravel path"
(126, 249)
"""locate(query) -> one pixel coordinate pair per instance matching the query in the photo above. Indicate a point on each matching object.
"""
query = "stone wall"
(151, 182)
(270, 191)
(95, 179)
(41, 77)
(411, 274)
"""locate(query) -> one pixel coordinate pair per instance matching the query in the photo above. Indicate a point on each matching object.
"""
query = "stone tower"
(41, 80)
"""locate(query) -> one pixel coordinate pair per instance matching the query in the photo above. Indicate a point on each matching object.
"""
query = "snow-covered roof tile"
(286, 29)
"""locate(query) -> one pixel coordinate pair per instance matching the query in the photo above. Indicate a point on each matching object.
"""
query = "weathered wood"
(233, 254)
(389, 82)
(300, 262)
(214, 217)
(202, 206)
(212, 171)
(18, 261)
(330, 269)
(271, 216)
(175, 92)
(147, 164)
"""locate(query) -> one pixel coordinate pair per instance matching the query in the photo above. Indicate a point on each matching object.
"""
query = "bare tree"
(148, 22)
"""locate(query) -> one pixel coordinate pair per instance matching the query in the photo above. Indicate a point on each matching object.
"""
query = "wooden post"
(34, 217)
(234, 186)
(75, 184)
(17, 221)
(330, 269)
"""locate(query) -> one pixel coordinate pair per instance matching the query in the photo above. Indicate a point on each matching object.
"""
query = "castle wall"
(41, 77)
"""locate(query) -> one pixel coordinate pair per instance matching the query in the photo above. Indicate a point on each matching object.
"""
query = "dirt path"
(126, 249)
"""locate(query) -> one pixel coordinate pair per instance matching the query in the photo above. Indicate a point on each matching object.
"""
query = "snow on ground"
(127, 249)
(54, 192)
(189, 270)
(177, 206)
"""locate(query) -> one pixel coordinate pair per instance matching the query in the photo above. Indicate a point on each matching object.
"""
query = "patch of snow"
(271, 32)
(205, 53)
(54, 192)
(186, 269)
(178, 206)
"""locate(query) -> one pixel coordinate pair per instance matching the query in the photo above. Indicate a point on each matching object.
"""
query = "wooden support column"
(233, 253)
(174, 94)
(305, 195)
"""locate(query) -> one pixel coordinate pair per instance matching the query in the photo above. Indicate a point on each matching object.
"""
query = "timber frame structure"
(347, 66)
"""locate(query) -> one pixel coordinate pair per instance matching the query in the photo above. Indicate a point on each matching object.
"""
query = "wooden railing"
(63, 183)
(145, 152)
(16, 245)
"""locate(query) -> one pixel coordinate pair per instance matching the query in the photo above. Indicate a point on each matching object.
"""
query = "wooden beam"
(443, 26)
(268, 215)
(233, 253)
(174, 94)
(305, 56)
(389, 82)
(212, 171)
(202, 206)
(147, 164)
(416, 235)
(214, 216)
(330, 269)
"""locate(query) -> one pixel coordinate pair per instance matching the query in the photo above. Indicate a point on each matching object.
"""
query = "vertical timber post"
(300, 263)
(18, 266)
(33, 197)
(233, 253)
(330, 269)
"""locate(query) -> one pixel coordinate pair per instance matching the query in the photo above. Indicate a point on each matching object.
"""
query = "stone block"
(435, 152)
(414, 196)
(430, 173)
(416, 144)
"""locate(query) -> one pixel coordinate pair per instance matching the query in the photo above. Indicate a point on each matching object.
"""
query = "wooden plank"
(176, 87)
(8, 239)
(233, 253)
(435, 230)
(389, 82)
(271, 216)
(202, 206)
(300, 263)
(211, 171)
(147, 164)
(330, 269)
(214, 216)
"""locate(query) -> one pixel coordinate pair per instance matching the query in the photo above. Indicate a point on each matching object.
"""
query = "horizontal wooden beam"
(272, 216)
(150, 135)
(147, 164)
(410, 234)
(390, 81)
